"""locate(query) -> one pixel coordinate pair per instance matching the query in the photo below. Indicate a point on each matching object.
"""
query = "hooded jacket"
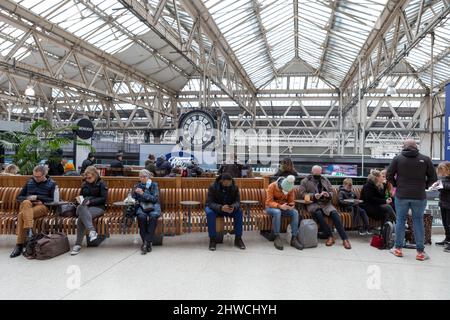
(411, 173)
(219, 196)
(275, 196)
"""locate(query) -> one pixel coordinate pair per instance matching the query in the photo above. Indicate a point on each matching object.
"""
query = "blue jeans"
(211, 216)
(276, 219)
(418, 208)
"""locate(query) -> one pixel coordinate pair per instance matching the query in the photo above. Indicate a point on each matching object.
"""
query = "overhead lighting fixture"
(390, 91)
(29, 91)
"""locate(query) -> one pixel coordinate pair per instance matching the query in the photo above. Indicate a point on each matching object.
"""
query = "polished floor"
(184, 269)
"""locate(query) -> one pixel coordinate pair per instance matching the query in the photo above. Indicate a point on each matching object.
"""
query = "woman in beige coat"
(320, 191)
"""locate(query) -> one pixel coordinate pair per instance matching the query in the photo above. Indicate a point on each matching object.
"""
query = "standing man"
(411, 173)
(37, 191)
(88, 162)
(224, 200)
(280, 202)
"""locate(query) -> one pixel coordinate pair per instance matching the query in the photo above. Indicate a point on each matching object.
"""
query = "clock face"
(197, 128)
(224, 128)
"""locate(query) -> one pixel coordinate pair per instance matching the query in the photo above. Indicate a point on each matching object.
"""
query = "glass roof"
(329, 38)
(261, 33)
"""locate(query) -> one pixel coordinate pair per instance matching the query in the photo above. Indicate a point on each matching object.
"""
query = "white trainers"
(92, 236)
(75, 250)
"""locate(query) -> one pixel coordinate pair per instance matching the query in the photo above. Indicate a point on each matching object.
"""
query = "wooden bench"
(109, 223)
(173, 220)
(264, 223)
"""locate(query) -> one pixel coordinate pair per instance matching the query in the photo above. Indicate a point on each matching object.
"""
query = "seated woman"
(148, 208)
(377, 206)
(345, 192)
(94, 194)
(388, 188)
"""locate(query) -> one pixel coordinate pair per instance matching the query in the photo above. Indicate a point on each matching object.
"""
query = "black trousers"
(147, 226)
(382, 212)
(319, 217)
(445, 214)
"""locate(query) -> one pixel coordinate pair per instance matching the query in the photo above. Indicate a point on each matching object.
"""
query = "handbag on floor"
(307, 233)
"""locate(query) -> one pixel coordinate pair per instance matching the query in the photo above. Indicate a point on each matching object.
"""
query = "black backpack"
(387, 234)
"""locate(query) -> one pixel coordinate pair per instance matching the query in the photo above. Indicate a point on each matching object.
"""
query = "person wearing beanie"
(320, 191)
(280, 202)
(69, 170)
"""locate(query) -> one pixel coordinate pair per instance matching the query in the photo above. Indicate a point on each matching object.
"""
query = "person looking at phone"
(224, 200)
(92, 200)
(37, 191)
(280, 202)
(320, 191)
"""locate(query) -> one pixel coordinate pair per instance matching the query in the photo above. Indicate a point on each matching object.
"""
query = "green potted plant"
(42, 142)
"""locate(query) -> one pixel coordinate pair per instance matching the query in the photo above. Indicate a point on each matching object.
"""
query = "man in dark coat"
(224, 200)
(411, 173)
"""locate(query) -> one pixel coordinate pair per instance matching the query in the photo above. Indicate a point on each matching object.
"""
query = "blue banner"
(447, 122)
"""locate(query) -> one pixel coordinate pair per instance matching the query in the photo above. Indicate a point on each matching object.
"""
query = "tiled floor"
(183, 268)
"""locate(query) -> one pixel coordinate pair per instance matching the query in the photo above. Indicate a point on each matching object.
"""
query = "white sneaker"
(92, 236)
(75, 250)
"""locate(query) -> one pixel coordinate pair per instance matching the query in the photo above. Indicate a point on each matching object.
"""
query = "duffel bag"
(51, 245)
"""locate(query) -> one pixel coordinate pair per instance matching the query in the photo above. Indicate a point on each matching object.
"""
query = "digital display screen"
(341, 169)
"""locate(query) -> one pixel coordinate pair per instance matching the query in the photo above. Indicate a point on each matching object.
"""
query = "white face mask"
(149, 182)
